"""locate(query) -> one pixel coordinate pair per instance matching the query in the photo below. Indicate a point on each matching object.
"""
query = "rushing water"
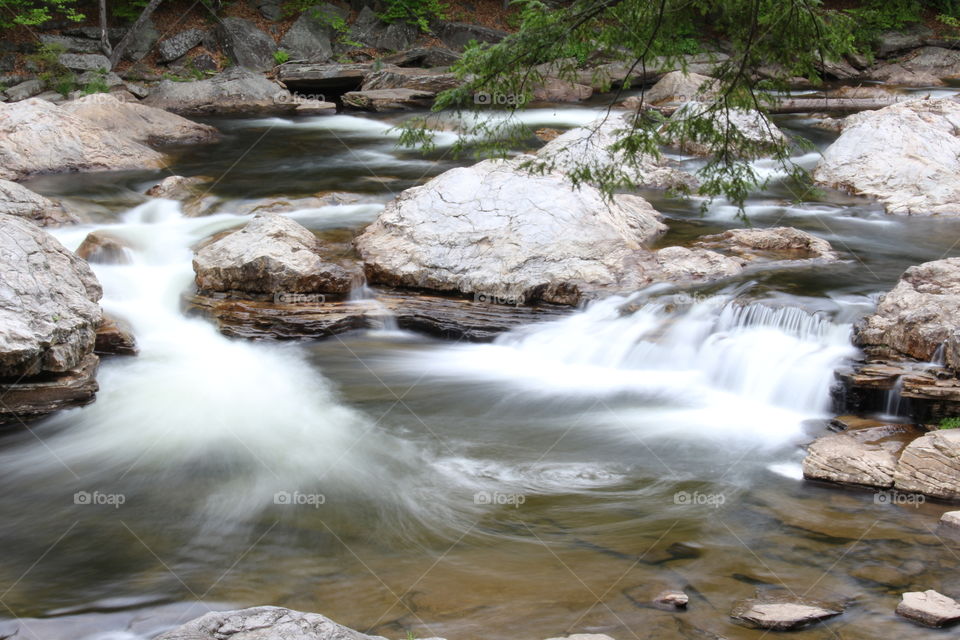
(551, 482)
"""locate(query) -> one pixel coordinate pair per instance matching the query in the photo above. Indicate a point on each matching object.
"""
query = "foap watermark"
(698, 499)
(98, 498)
(298, 499)
(284, 97)
(494, 298)
(899, 498)
(500, 99)
(499, 499)
(291, 297)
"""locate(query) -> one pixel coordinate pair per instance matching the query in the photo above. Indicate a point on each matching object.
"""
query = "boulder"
(272, 254)
(263, 623)
(24, 90)
(950, 519)
(35, 397)
(39, 137)
(679, 87)
(48, 303)
(557, 90)
(590, 147)
(71, 44)
(84, 61)
(324, 76)
(423, 57)
(102, 247)
(409, 78)
(457, 35)
(236, 91)
(178, 45)
(929, 608)
(370, 31)
(115, 338)
(388, 99)
(924, 67)
(110, 79)
(865, 457)
(143, 42)
(775, 243)
(309, 37)
(493, 229)
(752, 134)
(245, 44)
(680, 264)
(907, 155)
(837, 69)
(177, 188)
(139, 122)
(17, 200)
(931, 465)
(920, 316)
(912, 37)
(782, 613)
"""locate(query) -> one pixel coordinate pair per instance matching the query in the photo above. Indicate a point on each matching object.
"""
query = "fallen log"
(813, 105)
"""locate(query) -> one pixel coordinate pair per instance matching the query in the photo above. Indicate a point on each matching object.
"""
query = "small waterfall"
(894, 398)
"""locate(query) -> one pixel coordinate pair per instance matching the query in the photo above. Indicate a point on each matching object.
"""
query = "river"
(551, 482)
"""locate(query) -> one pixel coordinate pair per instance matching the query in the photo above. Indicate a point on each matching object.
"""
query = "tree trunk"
(104, 38)
(129, 35)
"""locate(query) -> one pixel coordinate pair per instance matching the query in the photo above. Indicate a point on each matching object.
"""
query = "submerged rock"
(272, 254)
(138, 121)
(906, 155)
(931, 465)
(672, 600)
(494, 230)
(263, 623)
(920, 317)
(590, 147)
(929, 608)
(775, 243)
(782, 614)
(17, 200)
(37, 136)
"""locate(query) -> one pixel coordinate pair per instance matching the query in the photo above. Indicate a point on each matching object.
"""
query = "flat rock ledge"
(866, 457)
(782, 614)
(929, 608)
(263, 623)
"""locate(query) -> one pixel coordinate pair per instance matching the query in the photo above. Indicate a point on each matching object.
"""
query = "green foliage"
(127, 9)
(36, 12)
(98, 84)
(950, 423)
(54, 75)
(280, 56)
(416, 12)
(638, 36)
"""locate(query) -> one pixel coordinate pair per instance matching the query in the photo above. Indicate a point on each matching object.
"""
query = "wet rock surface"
(782, 613)
(929, 608)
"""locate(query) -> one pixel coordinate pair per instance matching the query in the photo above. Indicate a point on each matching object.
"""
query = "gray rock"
(24, 90)
(143, 42)
(929, 608)
(493, 229)
(115, 338)
(93, 33)
(409, 78)
(245, 44)
(865, 457)
(921, 68)
(457, 35)
(931, 465)
(84, 61)
(316, 108)
(71, 44)
(370, 31)
(681, 264)
(397, 36)
(263, 623)
(236, 91)
(907, 155)
(679, 87)
(17, 200)
(672, 599)
(139, 122)
(309, 37)
(51, 96)
(110, 79)
(557, 90)
(423, 57)
(136, 90)
(48, 302)
(324, 76)
(752, 126)
(782, 613)
(920, 316)
(891, 42)
(838, 69)
(271, 255)
(178, 46)
(388, 99)
(590, 147)
(39, 137)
